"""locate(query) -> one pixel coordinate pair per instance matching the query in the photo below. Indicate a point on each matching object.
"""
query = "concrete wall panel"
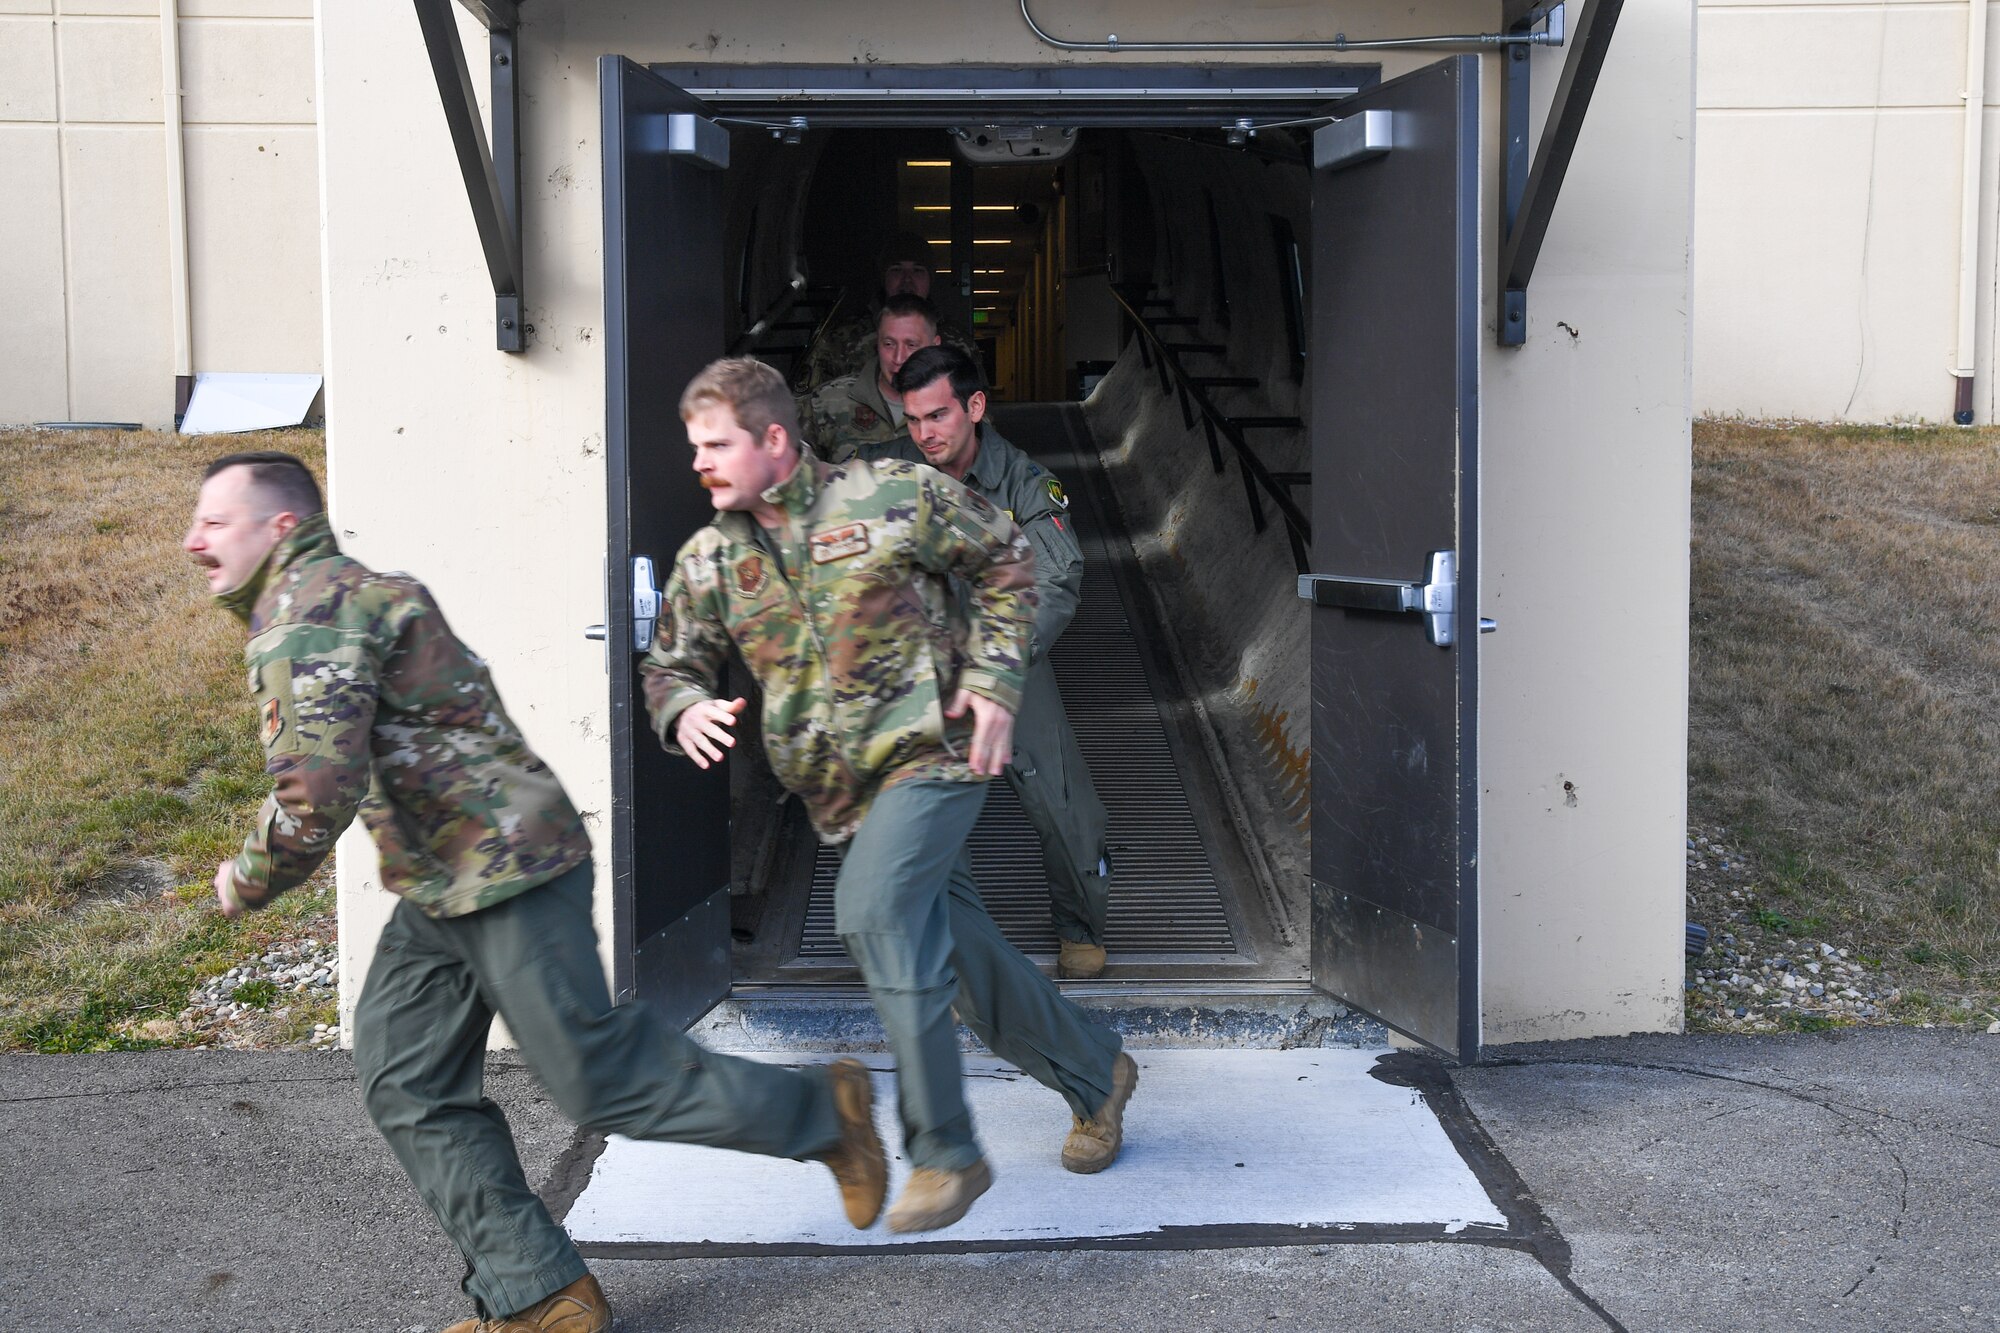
(259, 267)
(121, 346)
(247, 9)
(27, 69)
(33, 343)
(248, 73)
(1827, 281)
(1844, 56)
(1827, 202)
(27, 6)
(110, 70)
(1584, 485)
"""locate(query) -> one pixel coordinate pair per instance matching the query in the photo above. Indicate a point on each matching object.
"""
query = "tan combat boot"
(578, 1308)
(1077, 961)
(932, 1199)
(858, 1163)
(1093, 1144)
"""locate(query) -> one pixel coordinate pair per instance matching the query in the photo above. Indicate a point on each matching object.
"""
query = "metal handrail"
(1164, 358)
(773, 313)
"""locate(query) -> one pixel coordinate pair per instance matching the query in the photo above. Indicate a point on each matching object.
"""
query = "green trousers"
(1049, 776)
(911, 918)
(420, 1038)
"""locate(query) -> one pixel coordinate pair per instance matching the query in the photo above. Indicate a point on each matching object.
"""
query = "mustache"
(205, 562)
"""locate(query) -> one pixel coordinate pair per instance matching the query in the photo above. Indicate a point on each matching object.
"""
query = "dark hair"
(904, 304)
(280, 478)
(928, 364)
(905, 247)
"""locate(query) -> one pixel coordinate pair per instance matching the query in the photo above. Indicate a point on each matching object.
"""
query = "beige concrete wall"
(1827, 196)
(1584, 502)
(84, 224)
(483, 473)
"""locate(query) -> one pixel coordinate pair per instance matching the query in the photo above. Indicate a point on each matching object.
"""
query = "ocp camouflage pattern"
(1031, 495)
(854, 637)
(846, 415)
(368, 702)
(841, 349)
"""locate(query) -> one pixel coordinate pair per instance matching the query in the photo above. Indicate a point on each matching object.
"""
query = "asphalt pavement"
(1844, 1180)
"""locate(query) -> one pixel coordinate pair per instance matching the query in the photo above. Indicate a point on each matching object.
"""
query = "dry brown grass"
(128, 759)
(1846, 683)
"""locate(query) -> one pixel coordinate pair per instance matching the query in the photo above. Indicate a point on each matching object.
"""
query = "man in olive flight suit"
(948, 430)
(834, 582)
(865, 408)
(369, 703)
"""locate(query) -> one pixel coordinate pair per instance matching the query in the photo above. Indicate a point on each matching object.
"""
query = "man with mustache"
(854, 411)
(886, 708)
(369, 704)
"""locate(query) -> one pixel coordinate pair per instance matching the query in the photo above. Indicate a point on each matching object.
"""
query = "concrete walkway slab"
(1845, 1181)
(1216, 1142)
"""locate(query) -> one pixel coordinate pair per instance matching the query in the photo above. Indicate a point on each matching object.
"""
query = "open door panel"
(1395, 319)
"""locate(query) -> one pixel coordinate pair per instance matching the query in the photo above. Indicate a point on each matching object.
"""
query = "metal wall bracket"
(1435, 599)
(1528, 193)
(492, 178)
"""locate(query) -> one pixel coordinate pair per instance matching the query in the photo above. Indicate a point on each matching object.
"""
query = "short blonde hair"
(755, 393)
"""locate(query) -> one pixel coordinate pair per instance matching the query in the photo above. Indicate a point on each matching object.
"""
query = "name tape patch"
(839, 543)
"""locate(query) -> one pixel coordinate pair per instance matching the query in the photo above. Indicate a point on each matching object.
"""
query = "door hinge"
(1435, 599)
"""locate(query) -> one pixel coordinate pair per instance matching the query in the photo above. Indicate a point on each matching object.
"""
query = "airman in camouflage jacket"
(368, 702)
(843, 416)
(842, 349)
(846, 617)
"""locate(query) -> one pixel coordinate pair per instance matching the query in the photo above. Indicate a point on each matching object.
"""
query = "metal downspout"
(1968, 218)
(177, 240)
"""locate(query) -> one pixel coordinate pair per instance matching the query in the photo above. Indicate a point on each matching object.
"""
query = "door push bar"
(1435, 599)
(645, 606)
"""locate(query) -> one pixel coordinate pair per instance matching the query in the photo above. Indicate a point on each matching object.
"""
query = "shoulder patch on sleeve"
(274, 723)
(1057, 497)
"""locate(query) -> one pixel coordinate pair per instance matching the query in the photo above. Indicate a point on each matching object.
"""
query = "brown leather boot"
(1078, 961)
(859, 1165)
(578, 1308)
(932, 1199)
(1093, 1144)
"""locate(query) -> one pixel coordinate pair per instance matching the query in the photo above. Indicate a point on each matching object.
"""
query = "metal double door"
(1395, 311)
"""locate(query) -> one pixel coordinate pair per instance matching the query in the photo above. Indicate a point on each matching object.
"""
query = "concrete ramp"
(1222, 1147)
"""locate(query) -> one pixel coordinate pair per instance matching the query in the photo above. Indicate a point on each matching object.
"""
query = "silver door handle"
(593, 632)
(1435, 599)
(645, 603)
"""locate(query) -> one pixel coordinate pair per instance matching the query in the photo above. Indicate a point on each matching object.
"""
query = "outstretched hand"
(992, 732)
(704, 730)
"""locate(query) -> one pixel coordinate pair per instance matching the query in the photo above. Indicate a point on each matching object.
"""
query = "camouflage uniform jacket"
(853, 634)
(367, 701)
(1030, 495)
(843, 416)
(841, 349)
